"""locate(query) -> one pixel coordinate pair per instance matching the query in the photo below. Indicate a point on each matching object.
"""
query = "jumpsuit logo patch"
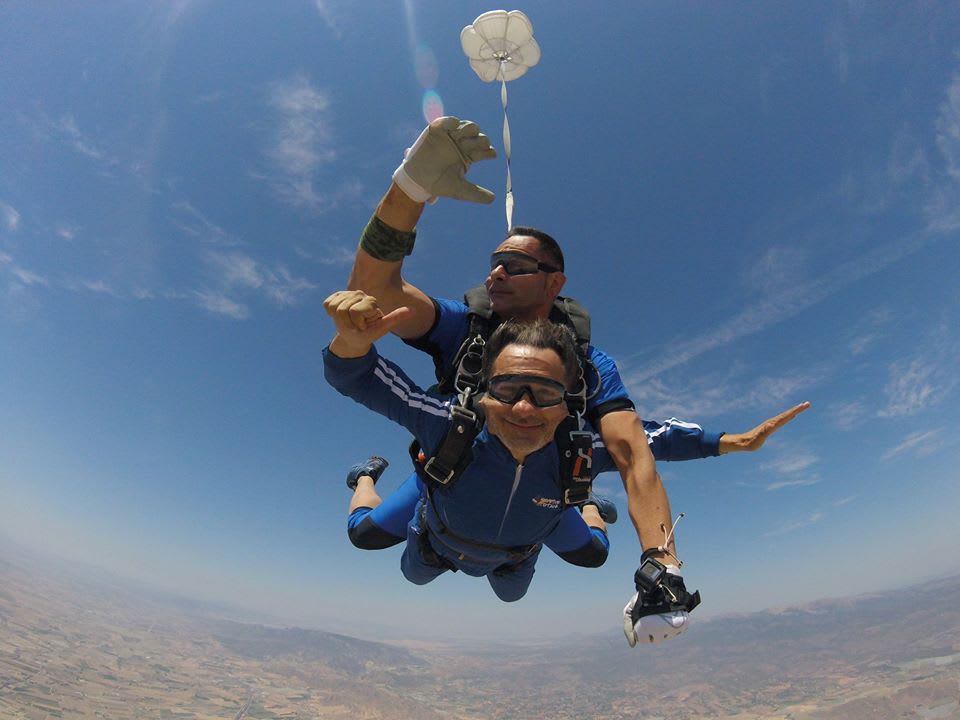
(549, 503)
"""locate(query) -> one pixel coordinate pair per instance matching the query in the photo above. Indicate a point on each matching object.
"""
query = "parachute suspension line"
(508, 201)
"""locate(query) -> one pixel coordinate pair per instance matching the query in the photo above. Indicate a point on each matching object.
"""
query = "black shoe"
(605, 506)
(373, 467)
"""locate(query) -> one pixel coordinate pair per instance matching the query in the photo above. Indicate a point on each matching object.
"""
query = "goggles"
(543, 392)
(517, 263)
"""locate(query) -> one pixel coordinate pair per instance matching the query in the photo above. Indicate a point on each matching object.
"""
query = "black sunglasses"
(543, 392)
(516, 263)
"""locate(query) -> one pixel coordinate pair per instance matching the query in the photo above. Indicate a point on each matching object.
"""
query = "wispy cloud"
(790, 463)
(925, 379)
(302, 141)
(943, 207)
(788, 302)
(220, 304)
(921, 443)
(835, 44)
(80, 142)
(811, 519)
(327, 11)
(711, 394)
(798, 482)
(849, 415)
(11, 218)
(196, 224)
(19, 275)
(336, 255)
(237, 273)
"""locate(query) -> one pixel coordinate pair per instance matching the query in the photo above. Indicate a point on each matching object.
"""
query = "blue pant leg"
(412, 564)
(510, 582)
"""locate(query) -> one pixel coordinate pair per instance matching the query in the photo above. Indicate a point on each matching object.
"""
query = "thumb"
(389, 321)
(472, 193)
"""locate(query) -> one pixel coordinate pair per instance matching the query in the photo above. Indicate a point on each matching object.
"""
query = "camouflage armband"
(382, 242)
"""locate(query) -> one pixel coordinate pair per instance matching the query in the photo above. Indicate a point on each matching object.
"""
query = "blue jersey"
(497, 505)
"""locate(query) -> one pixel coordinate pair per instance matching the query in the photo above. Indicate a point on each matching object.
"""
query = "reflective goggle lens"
(543, 392)
(515, 263)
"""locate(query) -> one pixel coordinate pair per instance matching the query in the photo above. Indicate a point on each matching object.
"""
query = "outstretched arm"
(434, 166)
(647, 502)
(754, 439)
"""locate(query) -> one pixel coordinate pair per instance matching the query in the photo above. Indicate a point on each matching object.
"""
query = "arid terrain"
(76, 647)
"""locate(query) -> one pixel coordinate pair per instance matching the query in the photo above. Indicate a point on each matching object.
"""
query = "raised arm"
(435, 166)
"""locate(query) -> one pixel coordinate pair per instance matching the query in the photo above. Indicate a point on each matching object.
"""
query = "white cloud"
(799, 482)
(326, 11)
(68, 128)
(943, 207)
(196, 224)
(810, 519)
(835, 45)
(220, 304)
(787, 302)
(302, 141)
(847, 416)
(948, 128)
(337, 255)
(11, 218)
(28, 277)
(927, 377)
(712, 394)
(792, 463)
(236, 273)
(921, 443)
(99, 286)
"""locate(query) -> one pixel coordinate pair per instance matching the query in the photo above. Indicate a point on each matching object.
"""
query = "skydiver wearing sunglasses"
(526, 277)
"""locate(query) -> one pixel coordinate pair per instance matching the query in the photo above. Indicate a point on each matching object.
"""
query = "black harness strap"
(576, 461)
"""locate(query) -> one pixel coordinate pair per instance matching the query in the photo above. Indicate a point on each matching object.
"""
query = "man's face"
(523, 297)
(523, 427)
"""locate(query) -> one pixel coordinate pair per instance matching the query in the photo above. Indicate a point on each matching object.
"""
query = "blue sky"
(760, 204)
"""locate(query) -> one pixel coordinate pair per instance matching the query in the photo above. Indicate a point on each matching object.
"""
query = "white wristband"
(410, 188)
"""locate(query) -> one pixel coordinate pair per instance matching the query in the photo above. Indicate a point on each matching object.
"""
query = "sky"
(758, 202)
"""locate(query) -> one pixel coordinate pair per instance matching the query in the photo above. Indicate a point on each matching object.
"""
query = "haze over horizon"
(758, 204)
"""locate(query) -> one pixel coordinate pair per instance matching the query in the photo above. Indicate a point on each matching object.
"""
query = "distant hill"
(76, 643)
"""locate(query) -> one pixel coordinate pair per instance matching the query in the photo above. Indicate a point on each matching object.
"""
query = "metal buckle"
(429, 471)
(576, 496)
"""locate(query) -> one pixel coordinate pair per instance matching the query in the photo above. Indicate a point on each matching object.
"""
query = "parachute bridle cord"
(508, 201)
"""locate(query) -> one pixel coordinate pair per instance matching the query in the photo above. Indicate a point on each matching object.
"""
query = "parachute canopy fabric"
(500, 45)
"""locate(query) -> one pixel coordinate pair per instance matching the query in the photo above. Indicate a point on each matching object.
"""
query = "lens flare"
(432, 105)
(425, 63)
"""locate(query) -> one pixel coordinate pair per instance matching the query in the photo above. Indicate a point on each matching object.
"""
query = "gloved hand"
(439, 159)
(659, 614)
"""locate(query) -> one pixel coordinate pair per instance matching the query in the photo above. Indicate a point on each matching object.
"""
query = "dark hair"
(549, 246)
(541, 334)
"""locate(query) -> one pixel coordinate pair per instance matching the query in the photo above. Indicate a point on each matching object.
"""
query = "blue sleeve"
(442, 341)
(610, 395)
(386, 524)
(576, 542)
(380, 385)
(677, 440)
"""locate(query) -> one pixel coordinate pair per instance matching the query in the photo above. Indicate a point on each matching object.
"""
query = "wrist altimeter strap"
(383, 242)
(669, 595)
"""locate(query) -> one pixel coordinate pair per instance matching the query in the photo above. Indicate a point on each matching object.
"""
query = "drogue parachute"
(500, 46)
